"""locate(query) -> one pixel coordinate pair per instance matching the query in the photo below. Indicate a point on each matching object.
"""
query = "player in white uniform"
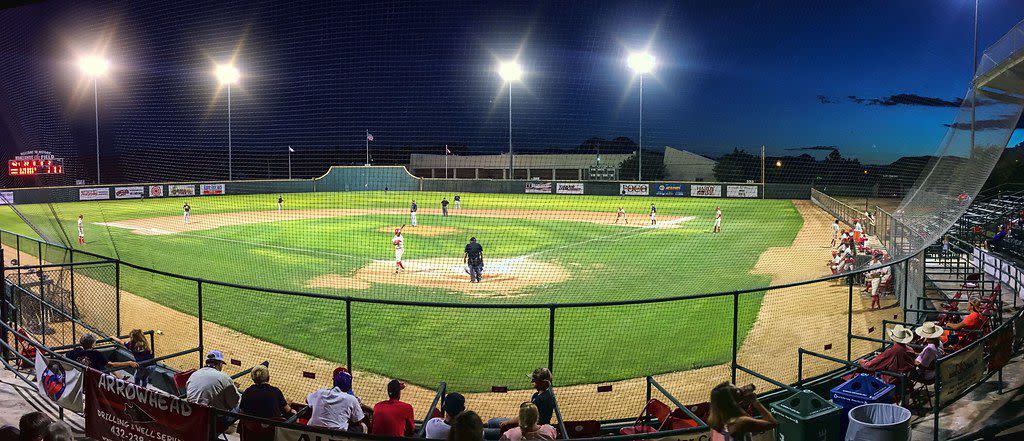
(81, 231)
(186, 209)
(835, 232)
(654, 214)
(399, 242)
(621, 215)
(718, 221)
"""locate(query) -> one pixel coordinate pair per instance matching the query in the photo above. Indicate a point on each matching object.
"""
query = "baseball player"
(835, 231)
(621, 215)
(412, 213)
(81, 231)
(280, 203)
(458, 202)
(399, 242)
(718, 221)
(474, 260)
(444, 207)
(654, 215)
(186, 209)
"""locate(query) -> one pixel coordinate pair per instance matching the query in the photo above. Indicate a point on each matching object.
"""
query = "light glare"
(227, 74)
(510, 71)
(641, 62)
(93, 66)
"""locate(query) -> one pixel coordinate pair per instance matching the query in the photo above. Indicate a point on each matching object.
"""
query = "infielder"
(654, 215)
(399, 242)
(280, 203)
(458, 202)
(412, 213)
(186, 209)
(621, 215)
(81, 231)
(718, 221)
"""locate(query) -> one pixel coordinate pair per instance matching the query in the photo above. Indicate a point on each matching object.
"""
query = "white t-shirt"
(927, 359)
(858, 228)
(718, 214)
(80, 226)
(398, 242)
(334, 409)
(436, 428)
(213, 388)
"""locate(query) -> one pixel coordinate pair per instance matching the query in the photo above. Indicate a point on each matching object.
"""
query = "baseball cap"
(215, 355)
(472, 239)
(541, 374)
(397, 231)
(454, 403)
(394, 386)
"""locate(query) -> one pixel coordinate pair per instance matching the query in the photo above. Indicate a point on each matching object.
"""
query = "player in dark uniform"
(186, 209)
(474, 259)
(412, 213)
(444, 207)
(280, 203)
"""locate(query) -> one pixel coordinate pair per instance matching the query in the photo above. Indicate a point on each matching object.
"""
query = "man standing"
(399, 242)
(474, 259)
(412, 213)
(621, 214)
(718, 221)
(654, 214)
(280, 203)
(458, 202)
(81, 231)
(444, 207)
(835, 231)
(186, 208)
(393, 417)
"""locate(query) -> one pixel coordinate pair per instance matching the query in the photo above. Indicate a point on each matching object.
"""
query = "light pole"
(510, 71)
(94, 67)
(974, 74)
(641, 63)
(228, 74)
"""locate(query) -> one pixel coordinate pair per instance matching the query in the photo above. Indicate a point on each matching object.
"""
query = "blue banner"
(670, 190)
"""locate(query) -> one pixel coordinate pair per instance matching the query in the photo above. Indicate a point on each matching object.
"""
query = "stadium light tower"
(510, 72)
(228, 75)
(94, 67)
(641, 63)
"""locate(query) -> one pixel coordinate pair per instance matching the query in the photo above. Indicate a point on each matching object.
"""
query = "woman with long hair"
(467, 426)
(730, 421)
(139, 346)
(528, 429)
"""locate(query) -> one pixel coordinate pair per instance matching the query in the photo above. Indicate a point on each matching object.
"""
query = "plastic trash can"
(879, 422)
(861, 389)
(806, 416)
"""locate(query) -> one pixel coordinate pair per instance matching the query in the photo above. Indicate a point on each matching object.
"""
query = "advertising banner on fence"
(93, 194)
(181, 190)
(129, 192)
(960, 372)
(6, 197)
(670, 190)
(634, 189)
(538, 187)
(211, 189)
(569, 188)
(285, 434)
(999, 348)
(59, 382)
(156, 191)
(706, 191)
(741, 191)
(119, 410)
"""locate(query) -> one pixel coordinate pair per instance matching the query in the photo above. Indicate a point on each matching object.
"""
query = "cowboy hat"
(929, 330)
(901, 334)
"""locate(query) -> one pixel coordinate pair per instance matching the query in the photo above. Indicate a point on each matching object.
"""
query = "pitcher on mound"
(398, 241)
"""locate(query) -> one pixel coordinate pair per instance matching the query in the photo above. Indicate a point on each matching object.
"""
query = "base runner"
(186, 209)
(718, 221)
(81, 231)
(621, 215)
(399, 242)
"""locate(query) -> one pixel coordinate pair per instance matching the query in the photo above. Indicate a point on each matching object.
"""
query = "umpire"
(474, 258)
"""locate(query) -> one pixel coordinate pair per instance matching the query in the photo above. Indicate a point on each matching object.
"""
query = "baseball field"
(539, 250)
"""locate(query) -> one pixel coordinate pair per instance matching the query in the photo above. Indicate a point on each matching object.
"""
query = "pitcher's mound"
(501, 278)
(422, 230)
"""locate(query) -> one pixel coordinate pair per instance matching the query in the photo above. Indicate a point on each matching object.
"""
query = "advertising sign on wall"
(999, 348)
(93, 194)
(119, 410)
(156, 191)
(960, 372)
(538, 187)
(181, 190)
(569, 188)
(634, 189)
(741, 191)
(670, 190)
(212, 189)
(706, 191)
(6, 197)
(129, 192)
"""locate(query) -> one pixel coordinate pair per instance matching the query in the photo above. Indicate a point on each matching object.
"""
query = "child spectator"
(336, 407)
(393, 417)
(261, 399)
(139, 347)
(467, 426)
(528, 428)
(728, 418)
(438, 428)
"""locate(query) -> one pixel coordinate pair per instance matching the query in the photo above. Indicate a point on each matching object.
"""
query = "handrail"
(800, 372)
(430, 411)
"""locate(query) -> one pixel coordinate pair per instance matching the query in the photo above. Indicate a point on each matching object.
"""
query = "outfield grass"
(471, 349)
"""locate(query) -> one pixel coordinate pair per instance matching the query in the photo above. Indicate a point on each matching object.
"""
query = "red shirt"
(974, 321)
(392, 418)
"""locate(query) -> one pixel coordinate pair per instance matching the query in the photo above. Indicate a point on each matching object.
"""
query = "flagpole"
(289, 162)
(446, 161)
(367, 148)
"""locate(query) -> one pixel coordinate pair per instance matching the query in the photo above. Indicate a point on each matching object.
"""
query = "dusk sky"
(730, 74)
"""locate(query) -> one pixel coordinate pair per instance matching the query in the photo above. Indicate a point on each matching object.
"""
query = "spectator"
(975, 321)
(997, 240)
(898, 358)
(89, 356)
(728, 418)
(261, 399)
(32, 426)
(925, 362)
(467, 426)
(528, 428)
(139, 347)
(544, 399)
(336, 407)
(438, 428)
(211, 387)
(58, 431)
(393, 417)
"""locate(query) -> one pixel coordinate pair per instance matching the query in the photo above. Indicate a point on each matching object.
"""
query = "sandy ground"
(423, 230)
(812, 317)
(199, 222)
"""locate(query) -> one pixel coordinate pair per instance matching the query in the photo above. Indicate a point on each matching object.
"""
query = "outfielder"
(718, 221)
(186, 209)
(621, 215)
(280, 203)
(81, 231)
(412, 213)
(399, 242)
(654, 215)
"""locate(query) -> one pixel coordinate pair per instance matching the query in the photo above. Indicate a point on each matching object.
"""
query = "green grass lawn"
(471, 349)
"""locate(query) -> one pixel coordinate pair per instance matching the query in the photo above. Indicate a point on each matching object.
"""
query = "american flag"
(446, 151)
(369, 136)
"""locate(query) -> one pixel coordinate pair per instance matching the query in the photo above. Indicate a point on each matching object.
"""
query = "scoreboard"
(34, 163)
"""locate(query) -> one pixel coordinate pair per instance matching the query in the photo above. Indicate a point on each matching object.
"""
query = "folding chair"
(181, 380)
